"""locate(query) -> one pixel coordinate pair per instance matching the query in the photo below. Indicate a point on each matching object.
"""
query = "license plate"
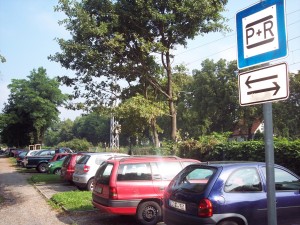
(75, 178)
(177, 205)
(98, 189)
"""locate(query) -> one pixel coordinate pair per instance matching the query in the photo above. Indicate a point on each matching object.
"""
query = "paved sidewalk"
(48, 190)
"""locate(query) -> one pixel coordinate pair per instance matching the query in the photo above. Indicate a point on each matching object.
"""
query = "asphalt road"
(27, 204)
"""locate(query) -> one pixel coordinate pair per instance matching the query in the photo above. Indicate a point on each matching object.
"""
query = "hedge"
(286, 153)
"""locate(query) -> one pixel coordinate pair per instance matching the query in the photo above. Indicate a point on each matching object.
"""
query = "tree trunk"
(154, 133)
(172, 109)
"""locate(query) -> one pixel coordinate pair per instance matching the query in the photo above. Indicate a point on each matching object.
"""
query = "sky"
(28, 29)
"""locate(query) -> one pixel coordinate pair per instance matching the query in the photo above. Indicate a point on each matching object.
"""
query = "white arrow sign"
(264, 85)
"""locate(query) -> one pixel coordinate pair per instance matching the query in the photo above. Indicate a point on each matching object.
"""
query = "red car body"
(58, 156)
(68, 166)
(135, 185)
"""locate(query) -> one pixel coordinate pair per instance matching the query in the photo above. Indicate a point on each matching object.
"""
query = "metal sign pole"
(269, 154)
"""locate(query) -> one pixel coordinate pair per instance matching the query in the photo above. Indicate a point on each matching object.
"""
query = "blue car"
(232, 193)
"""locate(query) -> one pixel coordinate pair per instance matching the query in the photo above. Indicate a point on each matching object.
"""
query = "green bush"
(213, 148)
(76, 144)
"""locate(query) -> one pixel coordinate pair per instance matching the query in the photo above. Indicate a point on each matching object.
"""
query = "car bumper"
(172, 217)
(119, 207)
(80, 179)
(115, 210)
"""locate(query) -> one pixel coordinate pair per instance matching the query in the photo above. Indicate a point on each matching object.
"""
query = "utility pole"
(115, 129)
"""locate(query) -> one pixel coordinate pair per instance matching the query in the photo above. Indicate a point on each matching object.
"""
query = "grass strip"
(45, 178)
(74, 200)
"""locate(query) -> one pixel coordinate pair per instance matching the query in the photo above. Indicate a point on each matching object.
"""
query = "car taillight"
(113, 193)
(86, 168)
(205, 208)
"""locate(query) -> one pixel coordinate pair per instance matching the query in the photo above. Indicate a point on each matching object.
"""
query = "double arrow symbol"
(275, 88)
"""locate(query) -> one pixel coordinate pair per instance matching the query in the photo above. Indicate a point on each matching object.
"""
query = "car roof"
(228, 164)
(105, 153)
(148, 158)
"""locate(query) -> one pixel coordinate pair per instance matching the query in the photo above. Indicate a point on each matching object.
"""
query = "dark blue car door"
(287, 187)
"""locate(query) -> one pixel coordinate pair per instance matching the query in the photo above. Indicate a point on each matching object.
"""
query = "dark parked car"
(20, 157)
(40, 160)
(230, 194)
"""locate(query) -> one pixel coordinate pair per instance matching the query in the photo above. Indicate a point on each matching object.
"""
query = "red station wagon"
(135, 185)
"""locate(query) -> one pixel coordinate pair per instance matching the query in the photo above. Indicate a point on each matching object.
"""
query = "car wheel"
(90, 185)
(228, 223)
(57, 171)
(42, 168)
(149, 213)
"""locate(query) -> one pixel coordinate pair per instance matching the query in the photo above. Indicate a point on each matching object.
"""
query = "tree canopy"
(31, 108)
(130, 41)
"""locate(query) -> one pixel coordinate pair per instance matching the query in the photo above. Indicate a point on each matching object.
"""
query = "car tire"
(149, 213)
(229, 222)
(90, 184)
(42, 167)
(57, 171)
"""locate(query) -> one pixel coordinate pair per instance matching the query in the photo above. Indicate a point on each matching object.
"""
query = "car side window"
(135, 171)
(284, 181)
(243, 180)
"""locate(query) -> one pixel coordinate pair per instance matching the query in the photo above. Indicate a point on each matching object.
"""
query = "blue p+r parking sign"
(261, 33)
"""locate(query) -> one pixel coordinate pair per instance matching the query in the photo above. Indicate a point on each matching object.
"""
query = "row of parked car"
(182, 191)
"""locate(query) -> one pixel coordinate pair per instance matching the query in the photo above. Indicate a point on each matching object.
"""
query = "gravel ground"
(22, 204)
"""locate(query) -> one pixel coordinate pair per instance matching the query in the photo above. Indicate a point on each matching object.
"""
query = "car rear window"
(83, 159)
(67, 160)
(134, 171)
(194, 179)
(165, 170)
(103, 173)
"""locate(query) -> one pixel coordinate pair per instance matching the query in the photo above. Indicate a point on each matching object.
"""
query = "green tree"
(118, 40)
(2, 59)
(139, 113)
(286, 114)
(216, 101)
(31, 108)
(93, 127)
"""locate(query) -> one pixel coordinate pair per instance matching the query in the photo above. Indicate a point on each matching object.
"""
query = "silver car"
(87, 166)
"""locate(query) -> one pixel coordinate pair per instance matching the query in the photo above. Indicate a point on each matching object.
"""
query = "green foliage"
(216, 148)
(138, 114)
(76, 144)
(2, 59)
(119, 40)
(94, 127)
(31, 109)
